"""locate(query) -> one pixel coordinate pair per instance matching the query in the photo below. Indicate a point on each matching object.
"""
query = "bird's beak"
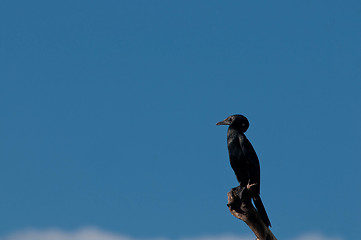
(222, 123)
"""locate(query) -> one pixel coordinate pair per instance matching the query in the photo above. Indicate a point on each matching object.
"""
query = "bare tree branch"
(244, 210)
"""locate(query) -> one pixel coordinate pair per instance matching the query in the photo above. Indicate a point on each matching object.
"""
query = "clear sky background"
(108, 112)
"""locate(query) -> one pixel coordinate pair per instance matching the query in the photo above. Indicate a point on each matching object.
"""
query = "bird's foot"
(240, 191)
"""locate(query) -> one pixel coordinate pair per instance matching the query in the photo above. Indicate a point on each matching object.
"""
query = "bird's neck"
(233, 132)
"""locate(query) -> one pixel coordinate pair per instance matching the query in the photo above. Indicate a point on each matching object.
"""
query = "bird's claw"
(240, 191)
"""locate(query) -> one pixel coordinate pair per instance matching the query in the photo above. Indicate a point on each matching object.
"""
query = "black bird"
(244, 160)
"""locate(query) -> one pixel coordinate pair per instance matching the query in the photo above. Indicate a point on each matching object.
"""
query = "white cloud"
(219, 237)
(54, 234)
(96, 234)
(316, 236)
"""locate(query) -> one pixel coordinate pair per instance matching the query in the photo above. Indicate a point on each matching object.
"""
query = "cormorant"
(244, 160)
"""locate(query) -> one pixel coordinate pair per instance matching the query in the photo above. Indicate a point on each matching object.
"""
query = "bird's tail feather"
(261, 210)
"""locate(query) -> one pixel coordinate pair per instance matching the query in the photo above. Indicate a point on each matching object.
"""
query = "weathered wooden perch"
(244, 210)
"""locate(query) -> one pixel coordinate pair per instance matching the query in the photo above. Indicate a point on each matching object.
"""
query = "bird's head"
(238, 121)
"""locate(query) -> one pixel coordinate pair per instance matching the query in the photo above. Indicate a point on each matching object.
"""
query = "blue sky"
(108, 113)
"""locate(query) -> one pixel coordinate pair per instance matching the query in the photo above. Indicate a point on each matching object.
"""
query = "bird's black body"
(244, 160)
